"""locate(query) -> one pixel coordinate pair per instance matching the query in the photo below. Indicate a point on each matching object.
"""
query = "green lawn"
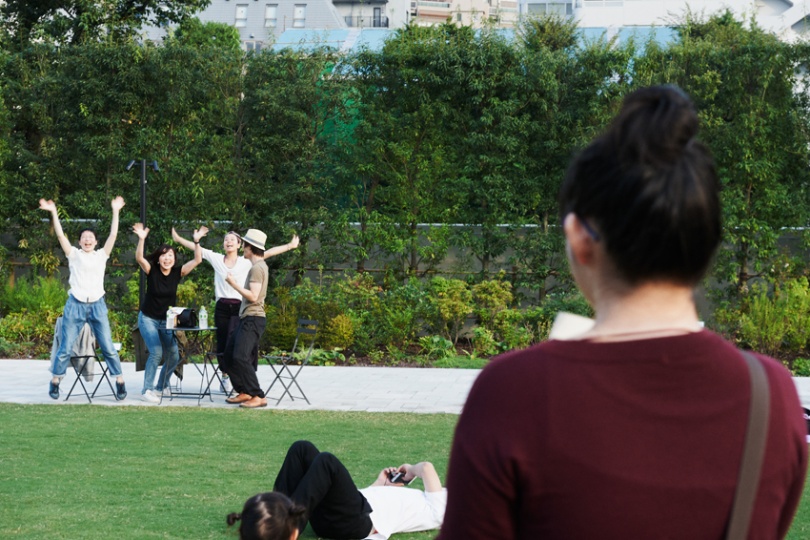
(89, 472)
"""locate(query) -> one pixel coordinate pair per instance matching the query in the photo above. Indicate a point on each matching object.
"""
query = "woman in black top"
(162, 278)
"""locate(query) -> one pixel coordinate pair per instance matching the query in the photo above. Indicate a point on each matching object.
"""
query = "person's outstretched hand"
(140, 231)
(48, 206)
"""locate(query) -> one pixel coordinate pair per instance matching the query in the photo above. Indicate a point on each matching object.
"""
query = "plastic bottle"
(203, 317)
(169, 319)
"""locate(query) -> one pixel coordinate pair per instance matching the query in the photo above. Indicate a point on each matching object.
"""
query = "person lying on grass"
(315, 486)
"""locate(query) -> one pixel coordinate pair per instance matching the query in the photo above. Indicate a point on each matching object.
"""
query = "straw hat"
(255, 238)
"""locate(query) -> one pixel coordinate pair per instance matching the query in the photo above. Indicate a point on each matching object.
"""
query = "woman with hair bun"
(635, 427)
(268, 516)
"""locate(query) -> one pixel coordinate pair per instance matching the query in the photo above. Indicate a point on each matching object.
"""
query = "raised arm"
(142, 232)
(117, 204)
(192, 264)
(278, 250)
(50, 206)
(424, 470)
(188, 244)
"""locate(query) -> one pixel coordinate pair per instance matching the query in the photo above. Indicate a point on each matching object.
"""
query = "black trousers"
(320, 482)
(226, 318)
(236, 360)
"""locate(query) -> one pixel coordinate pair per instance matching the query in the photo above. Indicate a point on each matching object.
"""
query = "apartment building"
(261, 23)
(475, 13)
(785, 18)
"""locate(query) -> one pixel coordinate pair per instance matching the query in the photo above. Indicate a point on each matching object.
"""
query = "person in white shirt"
(335, 508)
(85, 302)
(226, 310)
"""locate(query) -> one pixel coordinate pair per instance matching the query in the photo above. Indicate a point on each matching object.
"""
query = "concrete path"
(373, 389)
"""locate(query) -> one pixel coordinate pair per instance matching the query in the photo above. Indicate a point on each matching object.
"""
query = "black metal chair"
(287, 366)
(83, 360)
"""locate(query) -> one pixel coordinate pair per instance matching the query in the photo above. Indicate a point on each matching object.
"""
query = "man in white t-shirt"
(337, 509)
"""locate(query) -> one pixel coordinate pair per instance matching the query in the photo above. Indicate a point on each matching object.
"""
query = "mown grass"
(87, 472)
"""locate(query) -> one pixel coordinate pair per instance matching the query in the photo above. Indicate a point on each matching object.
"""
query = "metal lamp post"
(154, 165)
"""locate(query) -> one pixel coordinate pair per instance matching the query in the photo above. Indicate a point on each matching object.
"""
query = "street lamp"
(154, 165)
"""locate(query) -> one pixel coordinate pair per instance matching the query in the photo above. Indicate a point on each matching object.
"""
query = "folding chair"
(79, 362)
(286, 367)
(83, 359)
(102, 363)
(216, 374)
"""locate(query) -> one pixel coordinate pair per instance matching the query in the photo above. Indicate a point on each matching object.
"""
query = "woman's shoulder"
(212, 256)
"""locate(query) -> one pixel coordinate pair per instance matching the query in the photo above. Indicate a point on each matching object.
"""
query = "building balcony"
(366, 21)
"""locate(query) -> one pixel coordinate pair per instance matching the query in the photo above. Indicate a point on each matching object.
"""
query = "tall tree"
(290, 109)
(491, 129)
(573, 86)
(73, 21)
(753, 105)
(402, 152)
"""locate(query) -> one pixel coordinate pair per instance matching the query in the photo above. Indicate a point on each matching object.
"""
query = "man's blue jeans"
(159, 341)
(73, 318)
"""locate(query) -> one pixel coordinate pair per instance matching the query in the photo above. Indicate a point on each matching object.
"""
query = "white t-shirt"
(240, 272)
(402, 509)
(87, 274)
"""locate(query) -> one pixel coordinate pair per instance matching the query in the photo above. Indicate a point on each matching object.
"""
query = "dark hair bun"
(650, 189)
(654, 127)
(297, 512)
(232, 518)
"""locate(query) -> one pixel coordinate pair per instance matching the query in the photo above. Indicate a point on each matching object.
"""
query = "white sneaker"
(226, 385)
(150, 396)
(167, 392)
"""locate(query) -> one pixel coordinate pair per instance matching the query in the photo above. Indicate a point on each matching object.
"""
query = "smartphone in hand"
(398, 477)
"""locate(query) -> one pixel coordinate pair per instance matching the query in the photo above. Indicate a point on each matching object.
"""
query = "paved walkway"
(373, 389)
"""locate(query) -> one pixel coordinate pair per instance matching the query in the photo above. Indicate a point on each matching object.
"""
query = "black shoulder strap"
(756, 435)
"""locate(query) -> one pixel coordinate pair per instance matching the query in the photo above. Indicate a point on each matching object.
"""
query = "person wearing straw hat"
(226, 311)
(237, 358)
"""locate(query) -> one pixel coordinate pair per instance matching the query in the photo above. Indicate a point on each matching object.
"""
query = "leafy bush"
(279, 331)
(131, 298)
(774, 321)
(490, 298)
(510, 330)
(122, 322)
(396, 315)
(9, 349)
(357, 316)
(188, 294)
(31, 333)
(436, 347)
(32, 295)
(452, 300)
(800, 367)
(338, 332)
(327, 357)
(483, 342)
(313, 301)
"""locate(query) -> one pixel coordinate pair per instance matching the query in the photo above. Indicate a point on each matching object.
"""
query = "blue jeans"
(73, 318)
(159, 341)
